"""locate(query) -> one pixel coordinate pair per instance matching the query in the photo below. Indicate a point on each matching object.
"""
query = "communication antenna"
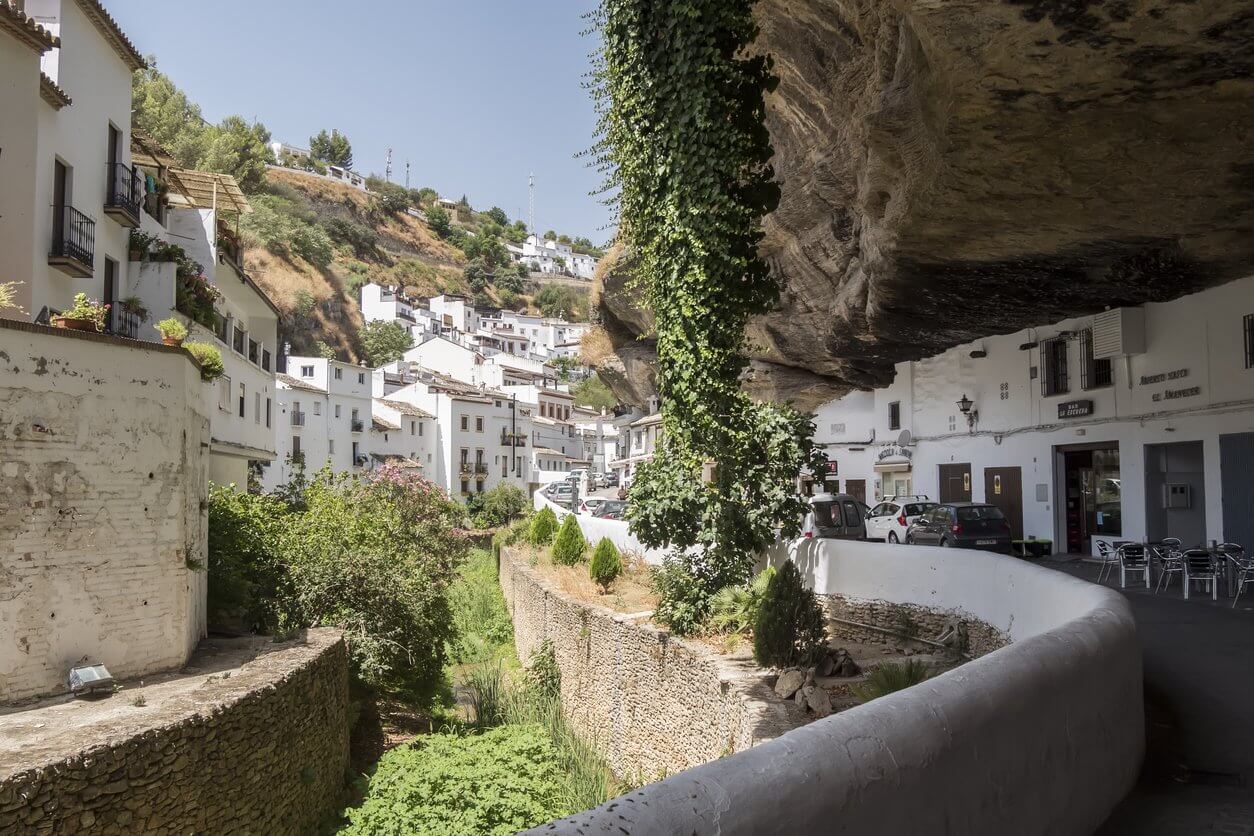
(407, 175)
(531, 203)
(387, 175)
(904, 439)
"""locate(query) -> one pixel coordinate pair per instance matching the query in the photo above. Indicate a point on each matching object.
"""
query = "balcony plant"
(173, 332)
(141, 244)
(209, 358)
(135, 305)
(8, 296)
(85, 315)
(194, 296)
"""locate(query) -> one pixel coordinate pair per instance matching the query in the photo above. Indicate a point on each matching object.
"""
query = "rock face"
(957, 169)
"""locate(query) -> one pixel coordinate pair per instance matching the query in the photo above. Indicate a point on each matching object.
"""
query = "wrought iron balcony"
(513, 439)
(481, 468)
(121, 322)
(357, 425)
(466, 468)
(73, 242)
(125, 195)
(298, 419)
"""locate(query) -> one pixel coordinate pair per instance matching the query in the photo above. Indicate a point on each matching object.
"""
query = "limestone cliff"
(958, 168)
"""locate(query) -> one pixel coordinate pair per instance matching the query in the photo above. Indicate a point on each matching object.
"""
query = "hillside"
(311, 244)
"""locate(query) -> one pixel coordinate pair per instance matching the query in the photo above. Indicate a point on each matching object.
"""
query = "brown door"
(955, 483)
(856, 488)
(1003, 487)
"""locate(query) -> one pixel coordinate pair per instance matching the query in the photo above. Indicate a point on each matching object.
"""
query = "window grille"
(1249, 341)
(1054, 367)
(1094, 373)
(894, 415)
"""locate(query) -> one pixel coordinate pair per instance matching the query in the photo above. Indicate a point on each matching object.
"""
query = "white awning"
(892, 464)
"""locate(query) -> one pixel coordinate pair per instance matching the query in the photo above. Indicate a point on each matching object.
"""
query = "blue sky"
(476, 94)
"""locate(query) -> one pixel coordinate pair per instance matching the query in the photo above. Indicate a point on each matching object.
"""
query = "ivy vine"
(684, 141)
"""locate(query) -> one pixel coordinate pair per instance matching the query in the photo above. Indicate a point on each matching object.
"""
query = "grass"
(891, 677)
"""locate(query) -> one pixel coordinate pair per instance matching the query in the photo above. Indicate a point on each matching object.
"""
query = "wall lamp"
(965, 407)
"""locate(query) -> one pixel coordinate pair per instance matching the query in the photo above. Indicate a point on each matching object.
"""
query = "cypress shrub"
(788, 629)
(570, 545)
(543, 527)
(606, 564)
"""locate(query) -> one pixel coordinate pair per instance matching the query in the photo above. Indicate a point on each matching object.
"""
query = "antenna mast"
(531, 203)
(388, 173)
(407, 175)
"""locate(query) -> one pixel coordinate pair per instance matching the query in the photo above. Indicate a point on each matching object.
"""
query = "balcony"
(73, 242)
(298, 419)
(466, 468)
(513, 439)
(481, 469)
(122, 323)
(125, 195)
(357, 425)
(401, 313)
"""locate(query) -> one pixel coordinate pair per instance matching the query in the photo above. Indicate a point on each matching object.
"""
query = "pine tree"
(606, 564)
(570, 544)
(789, 627)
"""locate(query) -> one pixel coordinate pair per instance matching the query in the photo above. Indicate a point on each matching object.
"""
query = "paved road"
(1199, 694)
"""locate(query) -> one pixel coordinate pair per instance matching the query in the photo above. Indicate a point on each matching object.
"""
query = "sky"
(475, 94)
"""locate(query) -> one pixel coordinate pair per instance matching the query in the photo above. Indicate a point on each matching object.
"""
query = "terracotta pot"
(172, 341)
(136, 255)
(74, 324)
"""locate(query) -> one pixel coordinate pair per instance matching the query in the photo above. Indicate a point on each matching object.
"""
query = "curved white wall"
(594, 529)
(1044, 735)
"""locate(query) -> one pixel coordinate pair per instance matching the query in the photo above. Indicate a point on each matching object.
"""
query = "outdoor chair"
(1133, 558)
(1170, 561)
(1199, 565)
(1109, 559)
(1242, 563)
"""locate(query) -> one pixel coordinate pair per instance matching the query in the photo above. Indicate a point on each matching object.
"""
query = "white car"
(889, 520)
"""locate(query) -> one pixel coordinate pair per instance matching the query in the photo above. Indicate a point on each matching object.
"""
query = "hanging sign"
(996, 485)
(1075, 409)
(893, 450)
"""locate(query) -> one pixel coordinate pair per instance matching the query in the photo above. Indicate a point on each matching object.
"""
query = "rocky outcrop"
(957, 169)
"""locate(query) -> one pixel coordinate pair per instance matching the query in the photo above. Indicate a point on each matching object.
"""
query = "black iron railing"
(298, 419)
(357, 425)
(122, 322)
(73, 236)
(126, 191)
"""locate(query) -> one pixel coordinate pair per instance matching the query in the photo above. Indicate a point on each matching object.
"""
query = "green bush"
(683, 601)
(890, 677)
(606, 564)
(482, 627)
(543, 674)
(210, 360)
(247, 578)
(543, 527)
(734, 608)
(498, 782)
(363, 239)
(570, 544)
(789, 627)
(497, 506)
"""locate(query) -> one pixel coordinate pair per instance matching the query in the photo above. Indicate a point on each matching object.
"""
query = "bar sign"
(1075, 409)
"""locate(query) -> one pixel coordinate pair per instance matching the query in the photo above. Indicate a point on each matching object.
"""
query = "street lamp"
(964, 406)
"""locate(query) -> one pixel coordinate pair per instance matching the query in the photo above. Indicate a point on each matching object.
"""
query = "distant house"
(544, 255)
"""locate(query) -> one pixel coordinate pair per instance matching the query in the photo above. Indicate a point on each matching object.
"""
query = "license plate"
(986, 542)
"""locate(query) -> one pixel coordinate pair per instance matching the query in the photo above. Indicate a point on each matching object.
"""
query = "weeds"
(889, 678)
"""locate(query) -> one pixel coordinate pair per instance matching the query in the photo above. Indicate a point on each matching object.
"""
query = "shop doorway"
(955, 482)
(857, 489)
(1175, 499)
(1236, 473)
(1092, 495)
(1003, 487)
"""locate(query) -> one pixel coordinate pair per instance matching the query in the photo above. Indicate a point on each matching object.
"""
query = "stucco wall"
(594, 529)
(651, 703)
(20, 103)
(263, 751)
(1044, 735)
(103, 451)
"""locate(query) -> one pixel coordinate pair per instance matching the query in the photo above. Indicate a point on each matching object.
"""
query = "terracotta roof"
(292, 383)
(21, 26)
(201, 187)
(655, 418)
(405, 408)
(52, 94)
(382, 424)
(392, 458)
(113, 34)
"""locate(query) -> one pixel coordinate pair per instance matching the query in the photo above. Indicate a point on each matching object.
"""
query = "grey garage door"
(1236, 464)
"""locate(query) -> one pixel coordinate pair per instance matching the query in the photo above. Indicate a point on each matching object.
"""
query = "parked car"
(611, 509)
(560, 493)
(609, 480)
(963, 525)
(835, 516)
(590, 505)
(889, 520)
(577, 474)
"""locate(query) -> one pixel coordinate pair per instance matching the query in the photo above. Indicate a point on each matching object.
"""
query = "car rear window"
(919, 508)
(823, 514)
(853, 514)
(612, 506)
(972, 513)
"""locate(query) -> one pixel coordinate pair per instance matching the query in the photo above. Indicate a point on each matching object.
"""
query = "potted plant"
(209, 358)
(172, 331)
(85, 315)
(135, 305)
(140, 245)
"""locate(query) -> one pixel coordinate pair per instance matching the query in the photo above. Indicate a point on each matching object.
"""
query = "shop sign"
(1150, 379)
(893, 450)
(997, 484)
(830, 467)
(1173, 394)
(1075, 409)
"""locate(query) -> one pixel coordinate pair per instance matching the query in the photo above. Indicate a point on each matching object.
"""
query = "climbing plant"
(685, 146)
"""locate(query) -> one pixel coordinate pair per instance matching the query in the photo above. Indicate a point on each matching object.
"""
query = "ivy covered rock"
(789, 628)
(543, 527)
(570, 544)
(606, 564)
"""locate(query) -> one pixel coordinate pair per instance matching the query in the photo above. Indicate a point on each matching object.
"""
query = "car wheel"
(892, 537)
(909, 539)
(944, 544)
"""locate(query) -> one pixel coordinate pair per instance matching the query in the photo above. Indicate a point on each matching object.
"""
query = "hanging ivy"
(686, 147)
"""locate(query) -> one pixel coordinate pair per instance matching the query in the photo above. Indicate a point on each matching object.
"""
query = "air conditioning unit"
(1118, 333)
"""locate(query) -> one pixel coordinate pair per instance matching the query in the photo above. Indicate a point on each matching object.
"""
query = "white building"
(301, 159)
(403, 435)
(1132, 424)
(545, 255)
(637, 441)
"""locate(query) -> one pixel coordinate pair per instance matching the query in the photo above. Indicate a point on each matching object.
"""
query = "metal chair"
(1109, 559)
(1170, 562)
(1244, 565)
(1199, 565)
(1133, 558)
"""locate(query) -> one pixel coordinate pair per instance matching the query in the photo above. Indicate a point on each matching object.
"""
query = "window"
(354, 417)
(361, 377)
(224, 393)
(894, 415)
(465, 423)
(1094, 373)
(331, 446)
(222, 327)
(337, 410)
(478, 424)
(306, 371)
(265, 359)
(412, 429)
(465, 455)
(257, 407)
(1249, 341)
(317, 407)
(1054, 367)
(296, 447)
(420, 429)
(238, 340)
(339, 373)
(242, 398)
(465, 486)
(267, 412)
(254, 354)
(504, 466)
(356, 451)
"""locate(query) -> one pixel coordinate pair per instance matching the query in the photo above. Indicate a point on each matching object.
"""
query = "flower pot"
(136, 255)
(74, 324)
(174, 341)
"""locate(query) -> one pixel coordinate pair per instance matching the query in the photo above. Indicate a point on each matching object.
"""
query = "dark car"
(962, 525)
(611, 509)
(609, 480)
(835, 516)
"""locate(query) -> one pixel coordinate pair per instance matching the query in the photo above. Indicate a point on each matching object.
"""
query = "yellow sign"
(966, 482)
(996, 485)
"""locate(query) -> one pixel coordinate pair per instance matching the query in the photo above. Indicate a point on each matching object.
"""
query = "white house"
(1135, 423)
(403, 435)
(447, 357)
(637, 441)
(545, 255)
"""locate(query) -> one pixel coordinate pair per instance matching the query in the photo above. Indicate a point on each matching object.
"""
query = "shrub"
(498, 782)
(497, 506)
(246, 574)
(543, 527)
(734, 608)
(543, 674)
(363, 239)
(171, 328)
(890, 677)
(439, 221)
(210, 360)
(392, 198)
(683, 602)
(570, 544)
(789, 628)
(606, 564)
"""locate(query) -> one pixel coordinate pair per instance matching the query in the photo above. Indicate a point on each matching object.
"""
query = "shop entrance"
(1092, 493)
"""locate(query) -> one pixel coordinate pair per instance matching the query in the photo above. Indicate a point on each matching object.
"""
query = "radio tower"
(531, 203)
(387, 175)
(407, 175)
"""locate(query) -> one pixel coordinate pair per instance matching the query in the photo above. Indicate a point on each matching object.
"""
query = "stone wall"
(651, 703)
(103, 467)
(909, 620)
(263, 750)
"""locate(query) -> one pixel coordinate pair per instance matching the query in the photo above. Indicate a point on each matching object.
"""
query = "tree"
(332, 150)
(559, 301)
(788, 628)
(543, 527)
(384, 342)
(476, 277)
(594, 394)
(497, 214)
(439, 221)
(497, 506)
(392, 198)
(508, 280)
(563, 239)
(569, 546)
(550, 235)
(606, 564)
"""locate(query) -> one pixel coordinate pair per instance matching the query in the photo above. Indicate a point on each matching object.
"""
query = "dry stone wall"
(263, 751)
(845, 614)
(651, 704)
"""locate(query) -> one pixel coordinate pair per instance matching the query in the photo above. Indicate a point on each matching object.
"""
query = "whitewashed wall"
(594, 529)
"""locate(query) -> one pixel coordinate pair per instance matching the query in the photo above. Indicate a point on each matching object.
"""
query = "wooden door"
(1003, 487)
(60, 197)
(856, 488)
(955, 482)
